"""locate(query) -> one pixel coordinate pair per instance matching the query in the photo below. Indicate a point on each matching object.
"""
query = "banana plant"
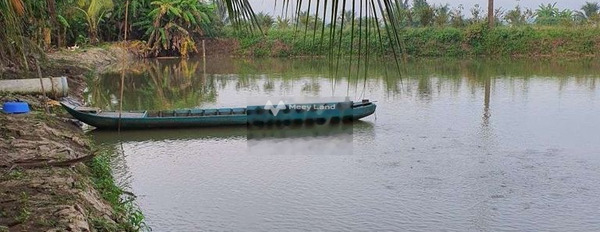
(94, 12)
(172, 25)
(550, 15)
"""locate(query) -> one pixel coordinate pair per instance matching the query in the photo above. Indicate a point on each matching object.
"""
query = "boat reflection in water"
(250, 133)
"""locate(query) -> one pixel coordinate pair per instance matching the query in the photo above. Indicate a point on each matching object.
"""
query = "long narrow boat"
(281, 115)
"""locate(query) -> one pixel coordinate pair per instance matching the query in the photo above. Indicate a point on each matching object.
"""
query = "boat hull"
(286, 117)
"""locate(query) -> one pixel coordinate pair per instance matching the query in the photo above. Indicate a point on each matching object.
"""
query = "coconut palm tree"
(589, 11)
(265, 21)
(282, 23)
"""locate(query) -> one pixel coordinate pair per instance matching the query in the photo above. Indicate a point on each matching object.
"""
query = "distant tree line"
(420, 13)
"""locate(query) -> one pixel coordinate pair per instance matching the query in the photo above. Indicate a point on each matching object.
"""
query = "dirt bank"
(220, 47)
(39, 189)
(96, 59)
(46, 181)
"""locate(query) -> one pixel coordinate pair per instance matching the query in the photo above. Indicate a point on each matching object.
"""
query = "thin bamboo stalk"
(39, 71)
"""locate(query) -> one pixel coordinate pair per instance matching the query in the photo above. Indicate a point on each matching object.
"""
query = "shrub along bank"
(475, 40)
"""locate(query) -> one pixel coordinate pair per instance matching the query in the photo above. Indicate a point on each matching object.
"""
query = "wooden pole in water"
(486, 101)
(203, 49)
(203, 60)
(121, 99)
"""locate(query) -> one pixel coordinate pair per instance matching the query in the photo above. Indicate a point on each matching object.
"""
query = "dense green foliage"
(433, 30)
(94, 12)
(476, 39)
(173, 25)
(169, 26)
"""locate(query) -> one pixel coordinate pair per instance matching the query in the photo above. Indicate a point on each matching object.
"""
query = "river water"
(455, 145)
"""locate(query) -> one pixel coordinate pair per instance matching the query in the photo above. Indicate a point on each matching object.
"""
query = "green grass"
(133, 219)
(24, 212)
(16, 174)
(474, 40)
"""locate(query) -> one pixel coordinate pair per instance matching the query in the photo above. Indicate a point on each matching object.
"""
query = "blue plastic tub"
(15, 107)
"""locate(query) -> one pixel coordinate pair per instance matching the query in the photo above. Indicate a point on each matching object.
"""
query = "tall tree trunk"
(491, 13)
(126, 23)
(53, 23)
(93, 37)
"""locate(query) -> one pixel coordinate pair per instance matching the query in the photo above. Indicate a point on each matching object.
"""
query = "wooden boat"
(285, 115)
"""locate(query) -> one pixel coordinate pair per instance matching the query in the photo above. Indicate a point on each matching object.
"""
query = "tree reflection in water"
(184, 83)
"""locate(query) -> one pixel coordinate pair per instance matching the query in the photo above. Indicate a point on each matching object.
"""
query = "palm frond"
(363, 22)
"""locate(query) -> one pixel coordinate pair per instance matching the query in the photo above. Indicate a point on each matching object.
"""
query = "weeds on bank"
(15, 174)
(133, 218)
(24, 212)
(51, 223)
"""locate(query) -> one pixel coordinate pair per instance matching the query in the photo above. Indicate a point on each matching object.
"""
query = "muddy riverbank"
(52, 177)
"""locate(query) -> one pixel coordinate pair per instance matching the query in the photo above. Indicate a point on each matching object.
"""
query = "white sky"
(267, 5)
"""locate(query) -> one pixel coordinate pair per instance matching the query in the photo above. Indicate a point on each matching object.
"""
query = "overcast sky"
(267, 5)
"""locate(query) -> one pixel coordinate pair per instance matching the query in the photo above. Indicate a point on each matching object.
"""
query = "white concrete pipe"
(54, 86)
